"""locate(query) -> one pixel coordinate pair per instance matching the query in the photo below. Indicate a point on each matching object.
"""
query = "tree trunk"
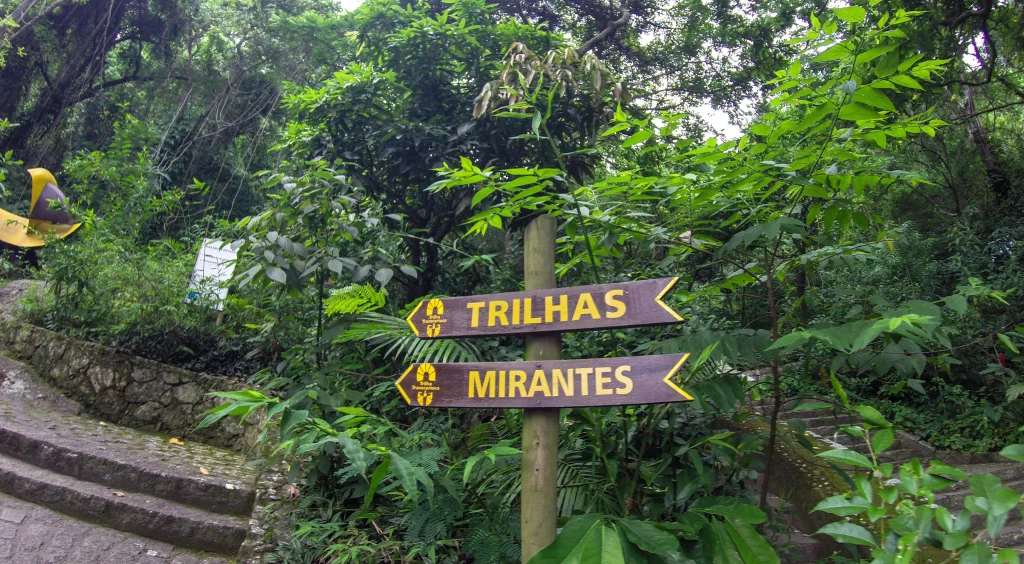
(989, 159)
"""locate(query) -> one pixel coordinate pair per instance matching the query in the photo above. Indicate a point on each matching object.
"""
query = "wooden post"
(540, 426)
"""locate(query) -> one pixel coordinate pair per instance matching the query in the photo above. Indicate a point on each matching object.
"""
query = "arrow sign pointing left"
(554, 383)
(576, 308)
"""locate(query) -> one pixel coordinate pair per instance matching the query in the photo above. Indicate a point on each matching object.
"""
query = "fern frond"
(357, 298)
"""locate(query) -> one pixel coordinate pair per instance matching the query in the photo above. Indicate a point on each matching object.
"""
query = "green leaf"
(839, 505)
(636, 138)
(1013, 452)
(882, 440)
(1003, 500)
(847, 456)
(375, 479)
(1007, 343)
(789, 339)
(849, 533)
(857, 112)
(813, 405)
(291, 418)
(572, 535)
(872, 97)
(1007, 556)
(738, 512)
(277, 275)
(871, 415)
(906, 81)
(761, 129)
(406, 475)
(956, 302)
(833, 53)
(354, 452)
(648, 537)
(977, 553)
(753, 548)
(615, 129)
(839, 389)
(851, 14)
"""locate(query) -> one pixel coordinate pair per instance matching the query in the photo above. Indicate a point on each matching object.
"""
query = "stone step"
(825, 421)
(1005, 471)
(128, 460)
(899, 456)
(131, 512)
(809, 414)
(1012, 534)
(953, 499)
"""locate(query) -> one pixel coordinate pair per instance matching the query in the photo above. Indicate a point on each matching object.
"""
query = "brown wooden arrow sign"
(579, 308)
(554, 383)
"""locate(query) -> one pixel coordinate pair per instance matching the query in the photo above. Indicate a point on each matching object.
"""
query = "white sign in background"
(213, 271)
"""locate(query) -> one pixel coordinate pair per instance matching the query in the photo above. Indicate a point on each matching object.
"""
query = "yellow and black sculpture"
(43, 221)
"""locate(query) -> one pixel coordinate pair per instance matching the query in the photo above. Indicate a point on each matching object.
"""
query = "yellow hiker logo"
(425, 386)
(433, 329)
(435, 306)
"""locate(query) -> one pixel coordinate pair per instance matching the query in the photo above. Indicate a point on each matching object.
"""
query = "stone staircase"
(196, 500)
(823, 425)
(78, 489)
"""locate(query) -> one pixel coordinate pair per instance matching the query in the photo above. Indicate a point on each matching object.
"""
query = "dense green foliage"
(858, 239)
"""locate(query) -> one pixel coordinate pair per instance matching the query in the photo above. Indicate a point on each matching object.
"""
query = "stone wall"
(128, 390)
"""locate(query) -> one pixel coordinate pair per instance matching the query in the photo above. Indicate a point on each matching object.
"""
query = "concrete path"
(30, 534)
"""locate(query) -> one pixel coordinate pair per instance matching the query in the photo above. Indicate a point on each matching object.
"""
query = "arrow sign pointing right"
(577, 308)
(555, 383)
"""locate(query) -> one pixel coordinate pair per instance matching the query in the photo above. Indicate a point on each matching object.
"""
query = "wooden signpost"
(581, 308)
(544, 383)
(554, 383)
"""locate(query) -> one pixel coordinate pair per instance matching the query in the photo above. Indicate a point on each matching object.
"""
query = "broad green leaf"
(839, 505)
(277, 275)
(739, 512)
(849, 533)
(291, 418)
(813, 405)
(847, 456)
(956, 302)
(572, 535)
(760, 129)
(406, 474)
(789, 339)
(906, 81)
(615, 129)
(1003, 500)
(1007, 556)
(1008, 344)
(1013, 452)
(882, 440)
(354, 452)
(872, 97)
(858, 112)
(636, 138)
(977, 553)
(753, 548)
(375, 479)
(833, 53)
(648, 537)
(871, 415)
(851, 14)
(480, 195)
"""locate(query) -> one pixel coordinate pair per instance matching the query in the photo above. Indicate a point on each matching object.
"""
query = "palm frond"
(393, 339)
